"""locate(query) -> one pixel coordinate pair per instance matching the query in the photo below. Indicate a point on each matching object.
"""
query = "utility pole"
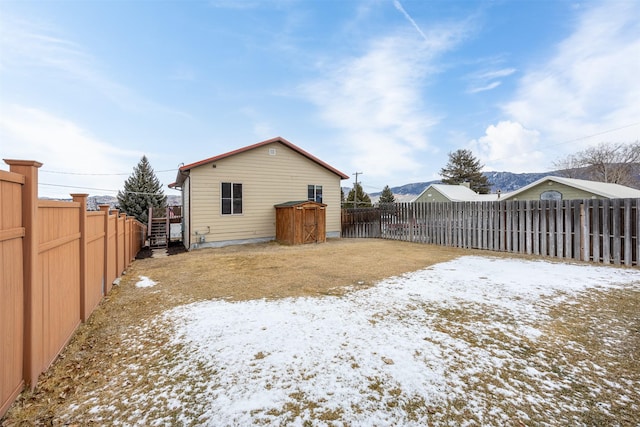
(355, 190)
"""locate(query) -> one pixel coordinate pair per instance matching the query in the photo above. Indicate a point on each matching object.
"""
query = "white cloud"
(376, 100)
(495, 74)
(37, 47)
(63, 146)
(508, 146)
(589, 85)
(485, 88)
(488, 80)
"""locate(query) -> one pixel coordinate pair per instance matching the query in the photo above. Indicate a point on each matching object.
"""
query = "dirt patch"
(144, 253)
(174, 248)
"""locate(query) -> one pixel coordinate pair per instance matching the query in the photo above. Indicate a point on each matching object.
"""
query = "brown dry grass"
(600, 330)
(277, 271)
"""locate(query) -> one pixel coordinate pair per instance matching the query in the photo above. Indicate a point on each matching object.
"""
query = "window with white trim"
(551, 195)
(314, 193)
(231, 200)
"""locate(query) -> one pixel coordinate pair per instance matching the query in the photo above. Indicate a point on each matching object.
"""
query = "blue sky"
(383, 87)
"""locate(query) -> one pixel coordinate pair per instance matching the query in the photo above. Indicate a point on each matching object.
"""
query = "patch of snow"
(145, 282)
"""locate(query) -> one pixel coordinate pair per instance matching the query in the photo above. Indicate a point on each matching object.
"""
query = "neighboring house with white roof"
(547, 188)
(453, 193)
(560, 188)
(230, 198)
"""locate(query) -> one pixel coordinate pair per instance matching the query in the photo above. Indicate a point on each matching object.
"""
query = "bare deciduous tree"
(570, 167)
(615, 163)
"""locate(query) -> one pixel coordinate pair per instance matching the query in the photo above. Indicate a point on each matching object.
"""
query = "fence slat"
(606, 237)
(627, 226)
(568, 228)
(616, 231)
(585, 221)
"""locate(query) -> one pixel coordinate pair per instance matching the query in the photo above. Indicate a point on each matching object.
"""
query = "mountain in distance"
(503, 181)
(93, 202)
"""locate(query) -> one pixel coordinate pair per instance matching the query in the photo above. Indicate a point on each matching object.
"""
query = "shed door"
(310, 225)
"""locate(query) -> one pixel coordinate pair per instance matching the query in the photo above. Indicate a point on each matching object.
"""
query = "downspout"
(185, 239)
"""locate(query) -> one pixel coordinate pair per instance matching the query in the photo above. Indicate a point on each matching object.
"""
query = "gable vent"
(272, 151)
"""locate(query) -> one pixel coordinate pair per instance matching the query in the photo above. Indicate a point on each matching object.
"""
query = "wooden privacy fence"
(596, 230)
(57, 261)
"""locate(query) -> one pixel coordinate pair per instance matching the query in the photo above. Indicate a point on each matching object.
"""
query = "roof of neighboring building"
(297, 203)
(459, 193)
(604, 189)
(182, 175)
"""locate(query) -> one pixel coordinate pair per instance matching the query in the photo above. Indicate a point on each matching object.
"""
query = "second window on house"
(314, 193)
(231, 198)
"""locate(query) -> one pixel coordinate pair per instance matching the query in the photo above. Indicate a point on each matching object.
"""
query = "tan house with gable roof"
(230, 198)
(560, 188)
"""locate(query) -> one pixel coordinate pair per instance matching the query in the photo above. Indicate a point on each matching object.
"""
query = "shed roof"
(603, 189)
(298, 203)
(182, 171)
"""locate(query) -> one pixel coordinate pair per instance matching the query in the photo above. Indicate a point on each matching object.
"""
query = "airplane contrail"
(398, 6)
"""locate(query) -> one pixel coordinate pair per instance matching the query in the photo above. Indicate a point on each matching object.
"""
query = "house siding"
(436, 196)
(568, 192)
(266, 180)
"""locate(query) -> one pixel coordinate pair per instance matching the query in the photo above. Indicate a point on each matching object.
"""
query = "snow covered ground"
(457, 343)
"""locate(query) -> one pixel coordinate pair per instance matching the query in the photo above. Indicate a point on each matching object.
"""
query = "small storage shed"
(300, 222)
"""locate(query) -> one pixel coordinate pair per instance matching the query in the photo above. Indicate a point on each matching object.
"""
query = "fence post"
(82, 199)
(105, 270)
(127, 242)
(32, 295)
(117, 243)
(628, 253)
(123, 253)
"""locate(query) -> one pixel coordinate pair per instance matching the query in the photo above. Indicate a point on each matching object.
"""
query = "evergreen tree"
(141, 190)
(363, 199)
(464, 167)
(386, 196)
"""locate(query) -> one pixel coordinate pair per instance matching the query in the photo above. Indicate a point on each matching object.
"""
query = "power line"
(96, 189)
(591, 136)
(77, 188)
(100, 174)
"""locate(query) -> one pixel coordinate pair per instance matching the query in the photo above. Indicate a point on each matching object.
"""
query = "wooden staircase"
(159, 227)
(158, 233)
